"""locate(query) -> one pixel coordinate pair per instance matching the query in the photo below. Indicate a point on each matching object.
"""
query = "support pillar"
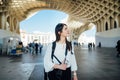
(11, 28)
(2, 20)
(17, 27)
(118, 18)
(111, 21)
(98, 26)
(102, 25)
(108, 25)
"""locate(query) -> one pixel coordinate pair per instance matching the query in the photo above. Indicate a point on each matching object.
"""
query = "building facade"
(37, 37)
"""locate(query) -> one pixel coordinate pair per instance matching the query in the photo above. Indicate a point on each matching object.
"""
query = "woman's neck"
(62, 40)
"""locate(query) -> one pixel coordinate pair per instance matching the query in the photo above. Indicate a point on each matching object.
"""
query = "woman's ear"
(59, 32)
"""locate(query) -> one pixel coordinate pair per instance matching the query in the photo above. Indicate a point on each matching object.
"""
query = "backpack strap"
(53, 49)
(57, 59)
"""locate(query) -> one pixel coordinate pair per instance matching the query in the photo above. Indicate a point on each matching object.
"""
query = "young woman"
(68, 62)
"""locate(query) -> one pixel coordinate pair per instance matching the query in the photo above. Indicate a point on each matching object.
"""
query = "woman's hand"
(75, 77)
(61, 66)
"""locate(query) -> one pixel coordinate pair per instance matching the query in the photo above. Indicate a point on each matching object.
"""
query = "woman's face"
(65, 31)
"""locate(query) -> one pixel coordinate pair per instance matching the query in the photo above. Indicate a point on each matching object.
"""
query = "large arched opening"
(88, 37)
(42, 24)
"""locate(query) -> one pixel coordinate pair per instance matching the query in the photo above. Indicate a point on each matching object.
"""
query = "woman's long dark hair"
(59, 28)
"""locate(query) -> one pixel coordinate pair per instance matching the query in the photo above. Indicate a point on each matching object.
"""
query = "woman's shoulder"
(50, 44)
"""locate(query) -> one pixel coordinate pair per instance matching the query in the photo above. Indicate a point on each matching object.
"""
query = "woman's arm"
(73, 64)
(48, 64)
(75, 75)
(73, 60)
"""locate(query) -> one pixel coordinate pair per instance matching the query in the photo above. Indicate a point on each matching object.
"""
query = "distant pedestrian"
(93, 45)
(118, 48)
(33, 47)
(40, 47)
(9, 48)
(99, 45)
(30, 48)
(36, 48)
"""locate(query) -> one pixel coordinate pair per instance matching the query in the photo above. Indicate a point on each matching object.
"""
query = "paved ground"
(93, 64)
(98, 64)
(26, 67)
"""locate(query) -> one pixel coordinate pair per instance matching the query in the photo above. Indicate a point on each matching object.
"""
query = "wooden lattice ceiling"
(87, 10)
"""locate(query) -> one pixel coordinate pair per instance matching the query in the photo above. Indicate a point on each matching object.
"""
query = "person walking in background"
(118, 48)
(93, 45)
(62, 57)
(99, 45)
(36, 48)
(33, 48)
(30, 48)
(40, 47)
(9, 47)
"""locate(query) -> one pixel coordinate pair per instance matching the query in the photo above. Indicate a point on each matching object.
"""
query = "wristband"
(74, 74)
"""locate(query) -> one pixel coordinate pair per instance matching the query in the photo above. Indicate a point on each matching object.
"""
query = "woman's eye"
(65, 28)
